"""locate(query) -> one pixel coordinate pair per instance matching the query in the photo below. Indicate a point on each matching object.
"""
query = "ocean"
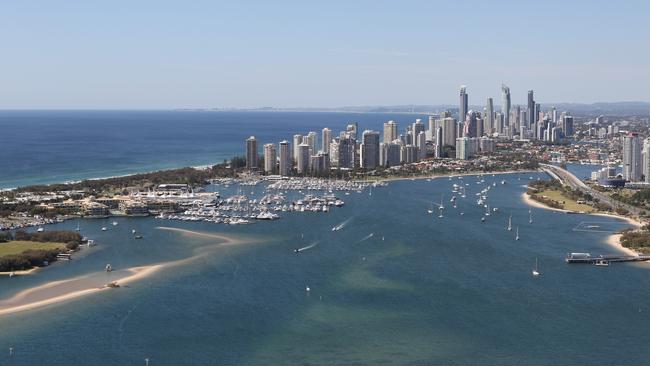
(40, 147)
(421, 290)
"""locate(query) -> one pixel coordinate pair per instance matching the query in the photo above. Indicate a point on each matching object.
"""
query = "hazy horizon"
(203, 54)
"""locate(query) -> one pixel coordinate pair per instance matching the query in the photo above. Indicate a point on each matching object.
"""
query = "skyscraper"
(346, 149)
(285, 158)
(297, 140)
(449, 131)
(469, 128)
(421, 143)
(311, 140)
(251, 153)
(463, 108)
(567, 126)
(270, 158)
(632, 168)
(302, 159)
(489, 116)
(326, 139)
(531, 109)
(438, 143)
(390, 131)
(369, 149)
(418, 127)
(505, 108)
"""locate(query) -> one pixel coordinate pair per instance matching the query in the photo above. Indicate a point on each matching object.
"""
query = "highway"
(566, 178)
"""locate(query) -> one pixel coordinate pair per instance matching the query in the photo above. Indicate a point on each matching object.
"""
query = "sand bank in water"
(59, 291)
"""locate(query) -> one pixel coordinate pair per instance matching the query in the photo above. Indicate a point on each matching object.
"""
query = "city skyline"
(166, 55)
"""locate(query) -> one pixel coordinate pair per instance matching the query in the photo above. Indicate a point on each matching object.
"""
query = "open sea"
(421, 290)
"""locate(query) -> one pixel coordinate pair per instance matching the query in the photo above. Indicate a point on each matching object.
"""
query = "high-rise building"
(346, 149)
(297, 140)
(408, 154)
(449, 133)
(463, 107)
(505, 108)
(352, 129)
(531, 109)
(270, 158)
(469, 128)
(489, 117)
(302, 159)
(326, 139)
(421, 141)
(369, 149)
(498, 122)
(462, 148)
(251, 153)
(438, 143)
(646, 160)
(312, 140)
(393, 154)
(567, 126)
(418, 127)
(285, 158)
(390, 131)
(632, 168)
(319, 164)
(431, 128)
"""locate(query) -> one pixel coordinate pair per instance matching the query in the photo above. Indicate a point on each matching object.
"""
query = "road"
(572, 181)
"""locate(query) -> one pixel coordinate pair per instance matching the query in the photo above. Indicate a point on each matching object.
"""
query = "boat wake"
(341, 225)
(366, 237)
(307, 247)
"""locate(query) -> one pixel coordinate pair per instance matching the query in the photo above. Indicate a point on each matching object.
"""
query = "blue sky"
(169, 54)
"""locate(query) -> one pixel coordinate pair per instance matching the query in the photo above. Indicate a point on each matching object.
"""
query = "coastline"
(55, 292)
(613, 240)
(446, 175)
(37, 297)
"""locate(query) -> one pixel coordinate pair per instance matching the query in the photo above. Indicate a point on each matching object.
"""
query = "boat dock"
(587, 258)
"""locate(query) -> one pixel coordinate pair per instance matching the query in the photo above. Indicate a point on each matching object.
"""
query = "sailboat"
(430, 210)
(536, 272)
(517, 236)
(442, 197)
(487, 210)
(510, 223)
(530, 218)
(440, 215)
(78, 227)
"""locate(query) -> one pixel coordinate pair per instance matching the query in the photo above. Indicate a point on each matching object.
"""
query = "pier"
(586, 258)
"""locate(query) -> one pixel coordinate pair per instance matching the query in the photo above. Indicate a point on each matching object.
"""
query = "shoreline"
(447, 175)
(55, 292)
(22, 300)
(613, 240)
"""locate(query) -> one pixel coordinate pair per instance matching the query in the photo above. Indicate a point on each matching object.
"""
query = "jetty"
(587, 258)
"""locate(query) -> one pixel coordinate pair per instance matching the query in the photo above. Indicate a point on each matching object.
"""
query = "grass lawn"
(568, 203)
(17, 247)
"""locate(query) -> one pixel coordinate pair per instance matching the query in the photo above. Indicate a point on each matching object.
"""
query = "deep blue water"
(56, 146)
(435, 291)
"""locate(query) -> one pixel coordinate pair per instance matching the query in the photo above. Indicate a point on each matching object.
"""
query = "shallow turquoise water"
(450, 291)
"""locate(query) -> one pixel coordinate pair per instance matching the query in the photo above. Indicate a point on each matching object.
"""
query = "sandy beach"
(59, 291)
(20, 273)
(613, 240)
(531, 202)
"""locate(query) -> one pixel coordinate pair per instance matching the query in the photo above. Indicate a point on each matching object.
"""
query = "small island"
(22, 251)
